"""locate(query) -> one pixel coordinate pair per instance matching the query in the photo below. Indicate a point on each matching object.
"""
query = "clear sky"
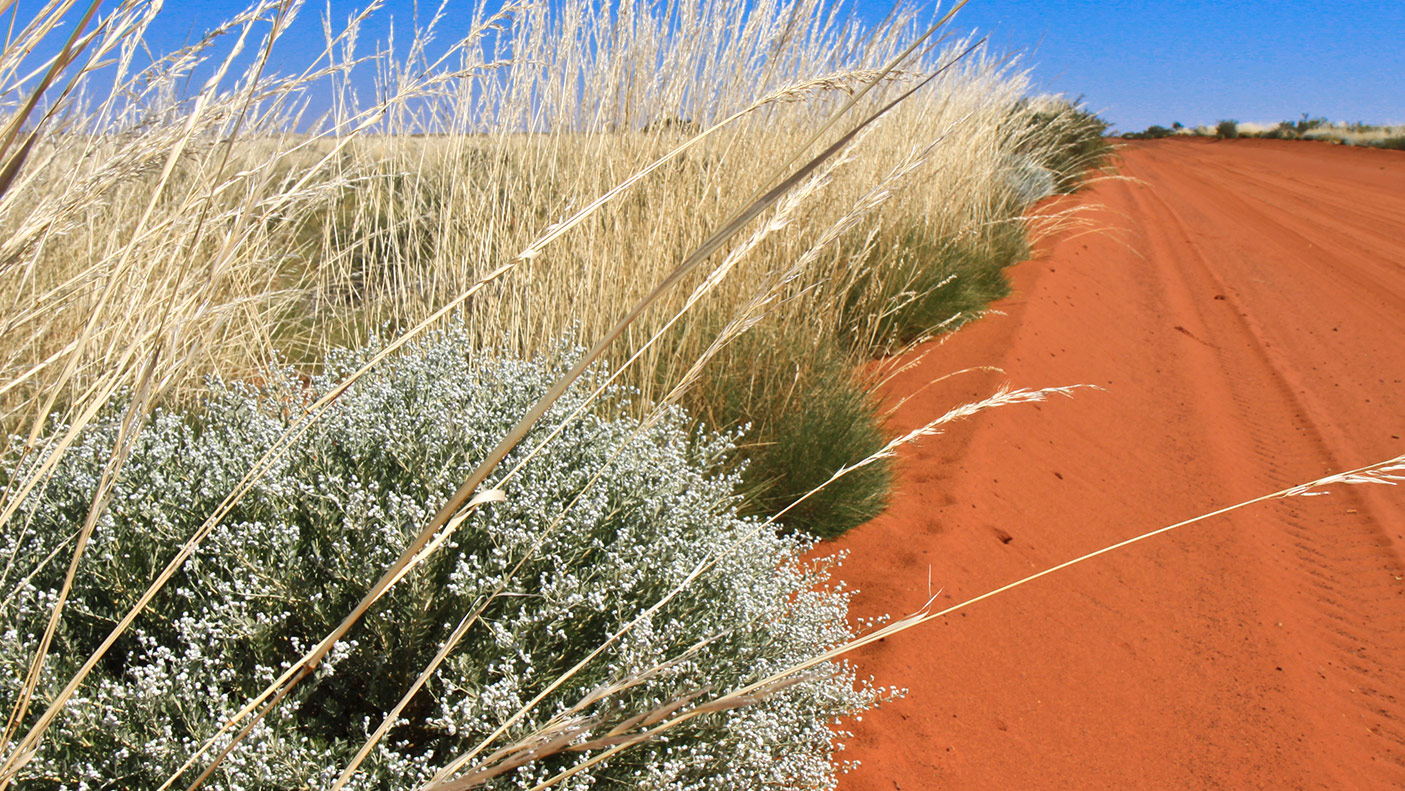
(1136, 63)
(1140, 63)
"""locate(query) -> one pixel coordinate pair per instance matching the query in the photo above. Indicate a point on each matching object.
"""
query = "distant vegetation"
(1305, 128)
(1227, 130)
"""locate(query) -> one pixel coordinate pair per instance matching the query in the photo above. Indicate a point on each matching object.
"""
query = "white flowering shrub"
(305, 544)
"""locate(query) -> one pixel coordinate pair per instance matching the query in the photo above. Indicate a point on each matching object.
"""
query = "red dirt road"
(1245, 319)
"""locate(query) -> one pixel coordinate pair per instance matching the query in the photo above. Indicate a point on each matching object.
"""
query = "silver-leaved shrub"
(610, 516)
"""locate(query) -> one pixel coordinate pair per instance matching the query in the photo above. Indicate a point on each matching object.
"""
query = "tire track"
(1246, 334)
(1332, 558)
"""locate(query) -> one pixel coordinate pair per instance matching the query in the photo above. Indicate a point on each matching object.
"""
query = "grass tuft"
(807, 413)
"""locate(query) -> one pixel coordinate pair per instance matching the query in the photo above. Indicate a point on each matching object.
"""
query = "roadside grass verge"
(1071, 141)
(807, 410)
(728, 236)
(316, 240)
(935, 286)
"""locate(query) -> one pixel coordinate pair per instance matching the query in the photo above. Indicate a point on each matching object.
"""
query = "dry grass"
(154, 235)
(199, 227)
(260, 241)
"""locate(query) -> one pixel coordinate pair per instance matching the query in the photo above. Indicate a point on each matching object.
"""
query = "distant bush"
(1153, 132)
(1284, 131)
(1071, 141)
(1305, 124)
(1393, 143)
(1227, 130)
(1320, 129)
(297, 553)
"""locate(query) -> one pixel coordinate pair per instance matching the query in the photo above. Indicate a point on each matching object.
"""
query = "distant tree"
(1305, 123)
(1153, 132)
(1227, 129)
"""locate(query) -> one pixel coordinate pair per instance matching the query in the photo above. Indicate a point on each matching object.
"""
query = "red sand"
(1245, 318)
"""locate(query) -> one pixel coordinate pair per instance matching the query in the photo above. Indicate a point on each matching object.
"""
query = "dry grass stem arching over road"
(1242, 318)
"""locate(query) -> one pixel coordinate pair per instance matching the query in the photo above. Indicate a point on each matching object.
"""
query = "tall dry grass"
(542, 174)
(386, 211)
(248, 240)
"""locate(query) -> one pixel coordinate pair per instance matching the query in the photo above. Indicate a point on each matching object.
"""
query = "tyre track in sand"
(1245, 326)
(1340, 563)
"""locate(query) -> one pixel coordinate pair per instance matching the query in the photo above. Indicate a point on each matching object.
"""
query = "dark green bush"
(1153, 132)
(1306, 124)
(1071, 141)
(1227, 130)
(807, 414)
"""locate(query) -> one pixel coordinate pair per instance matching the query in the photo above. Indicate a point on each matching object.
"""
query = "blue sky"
(1135, 63)
(1140, 63)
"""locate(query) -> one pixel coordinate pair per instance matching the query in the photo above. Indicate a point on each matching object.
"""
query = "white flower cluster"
(599, 526)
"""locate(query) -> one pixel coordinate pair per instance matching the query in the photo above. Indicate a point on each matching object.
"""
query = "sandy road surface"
(1247, 322)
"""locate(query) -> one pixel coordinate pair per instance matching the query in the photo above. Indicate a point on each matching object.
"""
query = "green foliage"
(1393, 143)
(938, 285)
(1071, 140)
(1153, 132)
(805, 410)
(806, 414)
(1306, 124)
(607, 519)
(1227, 130)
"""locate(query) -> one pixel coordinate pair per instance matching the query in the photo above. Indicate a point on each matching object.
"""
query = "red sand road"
(1245, 319)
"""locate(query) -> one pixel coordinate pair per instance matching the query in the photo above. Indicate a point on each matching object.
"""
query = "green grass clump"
(939, 285)
(1227, 130)
(1072, 140)
(807, 412)
(806, 406)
